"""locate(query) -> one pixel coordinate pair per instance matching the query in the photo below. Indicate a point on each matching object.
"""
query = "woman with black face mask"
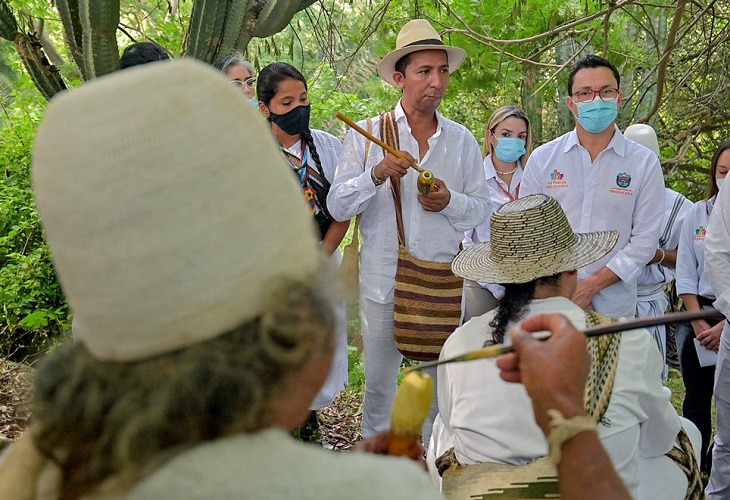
(312, 155)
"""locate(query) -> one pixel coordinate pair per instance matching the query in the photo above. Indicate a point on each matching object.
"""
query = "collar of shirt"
(618, 141)
(491, 173)
(400, 117)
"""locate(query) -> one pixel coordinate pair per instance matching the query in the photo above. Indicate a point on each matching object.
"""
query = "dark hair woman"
(312, 155)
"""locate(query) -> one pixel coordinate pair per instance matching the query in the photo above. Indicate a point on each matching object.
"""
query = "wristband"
(562, 429)
(663, 255)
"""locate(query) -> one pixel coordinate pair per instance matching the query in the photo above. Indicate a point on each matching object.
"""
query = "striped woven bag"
(427, 297)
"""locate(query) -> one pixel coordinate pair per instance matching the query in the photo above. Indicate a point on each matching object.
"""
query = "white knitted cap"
(168, 209)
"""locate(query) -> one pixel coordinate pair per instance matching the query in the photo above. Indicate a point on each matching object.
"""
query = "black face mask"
(294, 122)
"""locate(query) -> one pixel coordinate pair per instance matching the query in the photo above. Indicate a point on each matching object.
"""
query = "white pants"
(646, 307)
(382, 363)
(476, 301)
(719, 485)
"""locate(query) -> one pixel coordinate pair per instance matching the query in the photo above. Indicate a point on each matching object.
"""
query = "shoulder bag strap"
(604, 351)
(389, 135)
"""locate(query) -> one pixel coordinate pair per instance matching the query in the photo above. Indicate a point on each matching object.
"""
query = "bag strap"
(355, 235)
(389, 135)
(604, 351)
(683, 455)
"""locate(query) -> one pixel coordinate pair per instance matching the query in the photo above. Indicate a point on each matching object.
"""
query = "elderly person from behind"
(203, 331)
(534, 253)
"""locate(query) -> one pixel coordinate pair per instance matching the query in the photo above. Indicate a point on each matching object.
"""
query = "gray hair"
(234, 59)
(98, 419)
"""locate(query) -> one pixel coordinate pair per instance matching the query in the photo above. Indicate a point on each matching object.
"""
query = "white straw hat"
(416, 35)
(168, 209)
(644, 135)
(531, 238)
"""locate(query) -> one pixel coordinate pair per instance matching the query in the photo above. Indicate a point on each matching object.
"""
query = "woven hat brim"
(386, 68)
(477, 263)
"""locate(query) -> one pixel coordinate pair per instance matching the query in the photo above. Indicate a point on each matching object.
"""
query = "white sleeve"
(687, 277)
(717, 251)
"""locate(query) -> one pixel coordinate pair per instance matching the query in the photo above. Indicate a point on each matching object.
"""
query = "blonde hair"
(101, 420)
(500, 115)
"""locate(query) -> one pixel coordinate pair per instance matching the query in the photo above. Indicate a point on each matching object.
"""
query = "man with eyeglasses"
(604, 182)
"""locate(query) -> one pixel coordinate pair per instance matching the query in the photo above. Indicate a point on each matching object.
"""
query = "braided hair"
(513, 305)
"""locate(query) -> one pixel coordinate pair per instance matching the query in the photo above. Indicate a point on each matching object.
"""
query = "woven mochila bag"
(427, 297)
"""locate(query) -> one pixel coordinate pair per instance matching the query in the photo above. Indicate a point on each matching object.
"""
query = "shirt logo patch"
(700, 233)
(623, 181)
(556, 180)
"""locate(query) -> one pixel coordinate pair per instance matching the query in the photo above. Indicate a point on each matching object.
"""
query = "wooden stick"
(377, 141)
(620, 326)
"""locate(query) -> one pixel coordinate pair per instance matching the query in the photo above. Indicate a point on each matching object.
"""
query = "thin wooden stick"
(377, 141)
(493, 351)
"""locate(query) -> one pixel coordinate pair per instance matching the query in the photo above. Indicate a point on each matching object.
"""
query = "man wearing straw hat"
(204, 325)
(603, 182)
(534, 253)
(433, 223)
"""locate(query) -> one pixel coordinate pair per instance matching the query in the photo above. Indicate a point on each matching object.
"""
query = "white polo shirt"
(622, 190)
(692, 277)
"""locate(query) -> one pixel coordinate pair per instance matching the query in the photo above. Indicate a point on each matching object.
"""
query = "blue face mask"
(509, 149)
(597, 115)
(254, 102)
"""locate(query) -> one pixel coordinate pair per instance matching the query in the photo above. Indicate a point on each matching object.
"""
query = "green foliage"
(33, 311)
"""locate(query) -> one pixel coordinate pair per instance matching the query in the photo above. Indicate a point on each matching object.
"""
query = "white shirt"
(717, 251)
(653, 278)
(499, 193)
(453, 156)
(486, 419)
(623, 190)
(270, 464)
(692, 277)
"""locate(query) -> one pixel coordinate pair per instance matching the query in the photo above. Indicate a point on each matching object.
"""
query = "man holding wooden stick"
(367, 179)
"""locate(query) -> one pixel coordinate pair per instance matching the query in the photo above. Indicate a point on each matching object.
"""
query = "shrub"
(33, 311)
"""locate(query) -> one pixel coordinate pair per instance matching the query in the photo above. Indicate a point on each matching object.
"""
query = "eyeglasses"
(248, 82)
(607, 94)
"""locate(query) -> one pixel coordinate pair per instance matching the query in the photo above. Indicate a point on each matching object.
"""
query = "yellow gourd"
(425, 182)
(410, 410)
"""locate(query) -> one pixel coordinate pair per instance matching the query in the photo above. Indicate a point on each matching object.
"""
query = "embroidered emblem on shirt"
(623, 181)
(556, 180)
(700, 233)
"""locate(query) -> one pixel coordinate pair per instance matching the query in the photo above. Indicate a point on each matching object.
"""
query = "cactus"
(275, 15)
(8, 25)
(233, 26)
(45, 75)
(205, 30)
(216, 28)
(99, 20)
(69, 12)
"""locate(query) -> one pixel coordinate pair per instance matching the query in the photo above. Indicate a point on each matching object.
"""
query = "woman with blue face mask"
(507, 144)
(312, 156)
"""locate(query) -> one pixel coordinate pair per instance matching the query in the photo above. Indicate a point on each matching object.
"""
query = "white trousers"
(656, 307)
(719, 485)
(382, 363)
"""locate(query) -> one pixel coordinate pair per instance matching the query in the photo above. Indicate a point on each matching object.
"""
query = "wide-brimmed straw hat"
(531, 238)
(168, 209)
(416, 35)
(644, 135)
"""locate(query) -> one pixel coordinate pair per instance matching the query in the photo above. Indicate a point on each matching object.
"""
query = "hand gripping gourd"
(425, 180)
